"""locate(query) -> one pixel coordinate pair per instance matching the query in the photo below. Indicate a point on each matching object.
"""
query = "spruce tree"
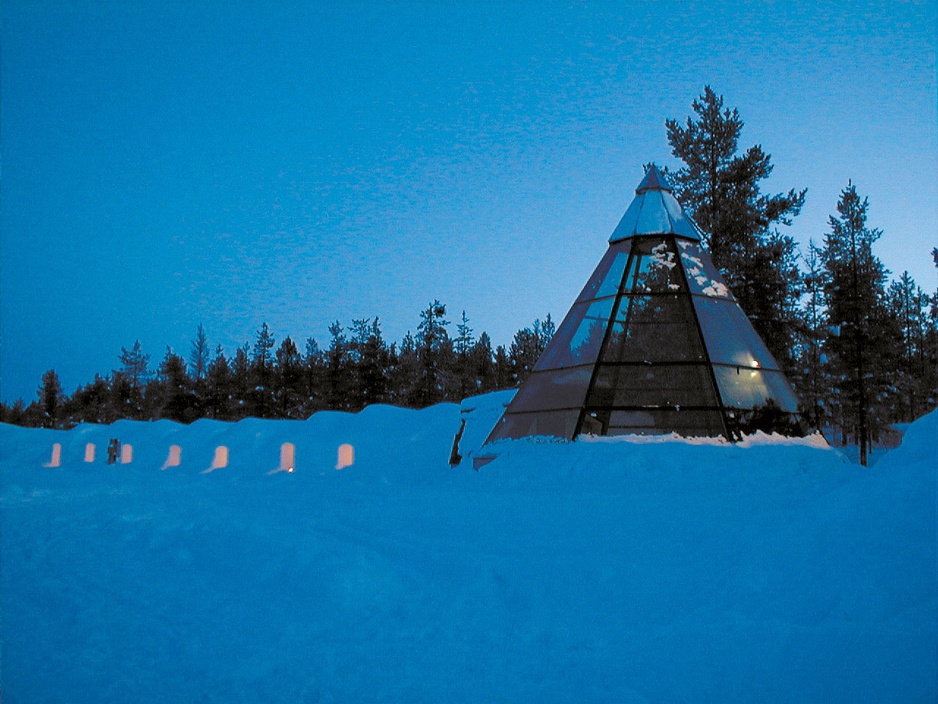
(337, 373)
(482, 365)
(240, 382)
(313, 377)
(176, 401)
(51, 398)
(219, 387)
(862, 328)
(811, 377)
(405, 373)
(434, 351)
(288, 386)
(503, 369)
(373, 362)
(463, 343)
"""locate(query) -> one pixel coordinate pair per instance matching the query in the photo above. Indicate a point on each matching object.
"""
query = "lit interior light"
(89, 452)
(127, 453)
(287, 457)
(219, 459)
(346, 456)
(174, 457)
(56, 459)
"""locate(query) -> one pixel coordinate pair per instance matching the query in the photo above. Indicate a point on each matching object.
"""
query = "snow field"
(602, 571)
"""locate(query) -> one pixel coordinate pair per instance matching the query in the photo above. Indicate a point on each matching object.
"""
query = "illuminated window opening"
(56, 459)
(174, 458)
(219, 459)
(346, 456)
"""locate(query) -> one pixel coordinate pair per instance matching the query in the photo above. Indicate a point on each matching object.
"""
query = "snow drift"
(585, 571)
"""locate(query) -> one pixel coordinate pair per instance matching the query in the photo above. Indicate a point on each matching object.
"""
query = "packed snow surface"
(559, 572)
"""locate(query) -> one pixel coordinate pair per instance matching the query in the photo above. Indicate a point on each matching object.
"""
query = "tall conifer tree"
(721, 190)
(862, 328)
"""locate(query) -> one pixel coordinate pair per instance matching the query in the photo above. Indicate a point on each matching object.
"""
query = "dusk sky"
(167, 164)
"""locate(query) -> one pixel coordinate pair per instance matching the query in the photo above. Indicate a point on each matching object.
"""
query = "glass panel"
(607, 277)
(748, 388)
(651, 386)
(626, 226)
(781, 391)
(659, 329)
(702, 275)
(729, 335)
(559, 388)
(685, 423)
(654, 218)
(654, 268)
(579, 337)
(561, 424)
(680, 222)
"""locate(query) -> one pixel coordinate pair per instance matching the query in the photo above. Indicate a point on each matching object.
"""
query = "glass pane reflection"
(749, 388)
(579, 337)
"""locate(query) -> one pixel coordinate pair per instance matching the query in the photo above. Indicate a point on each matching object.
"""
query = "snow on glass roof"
(655, 211)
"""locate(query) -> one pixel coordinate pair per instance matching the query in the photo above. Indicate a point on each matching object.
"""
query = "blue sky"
(166, 164)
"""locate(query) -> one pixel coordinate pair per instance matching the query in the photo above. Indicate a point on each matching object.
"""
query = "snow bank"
(586, 571)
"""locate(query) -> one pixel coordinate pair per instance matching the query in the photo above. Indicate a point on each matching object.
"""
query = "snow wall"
(595, 571)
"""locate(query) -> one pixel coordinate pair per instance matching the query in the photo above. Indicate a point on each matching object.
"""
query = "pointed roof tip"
(654, 181)
(655, 211)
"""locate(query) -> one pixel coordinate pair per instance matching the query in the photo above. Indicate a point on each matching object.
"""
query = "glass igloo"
(655, 343)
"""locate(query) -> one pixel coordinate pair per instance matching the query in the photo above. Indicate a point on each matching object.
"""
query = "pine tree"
(198, 356)
(262, 374)
(929, 354)
(720, 189)
(134, 365)
(857, 313)
(901, 301)
(128, 382)
(463, 344)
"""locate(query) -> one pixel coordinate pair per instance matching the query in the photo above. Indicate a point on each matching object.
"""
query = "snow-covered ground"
(598, 571)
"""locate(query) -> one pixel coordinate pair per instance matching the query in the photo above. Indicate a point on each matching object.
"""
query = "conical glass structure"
(655, 343)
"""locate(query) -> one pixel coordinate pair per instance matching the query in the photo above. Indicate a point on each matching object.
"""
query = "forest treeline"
(860, 349)
(264, 379)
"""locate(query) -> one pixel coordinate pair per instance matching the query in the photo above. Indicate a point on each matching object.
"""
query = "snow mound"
(587, 571)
